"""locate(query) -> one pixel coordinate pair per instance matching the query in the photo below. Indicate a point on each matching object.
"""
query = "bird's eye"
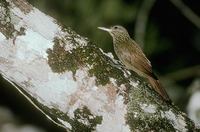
(115, 27)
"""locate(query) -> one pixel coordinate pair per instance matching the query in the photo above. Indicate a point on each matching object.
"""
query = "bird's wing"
(140, 62)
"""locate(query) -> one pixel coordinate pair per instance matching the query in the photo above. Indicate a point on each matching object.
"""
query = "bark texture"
(73, 82)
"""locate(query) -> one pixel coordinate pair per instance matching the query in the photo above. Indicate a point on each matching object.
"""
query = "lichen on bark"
(6, 25)
(126, 99)
(23, 5)
(102, 67)
(148, 114)
(83, 121)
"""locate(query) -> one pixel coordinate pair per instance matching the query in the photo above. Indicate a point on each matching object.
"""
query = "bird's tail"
(158, 88)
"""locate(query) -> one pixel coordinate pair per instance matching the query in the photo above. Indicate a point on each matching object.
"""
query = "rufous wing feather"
(158, 88)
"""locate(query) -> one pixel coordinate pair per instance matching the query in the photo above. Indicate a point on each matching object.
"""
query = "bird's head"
(117, 32)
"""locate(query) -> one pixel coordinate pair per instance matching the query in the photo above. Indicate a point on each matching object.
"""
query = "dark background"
(171, 42)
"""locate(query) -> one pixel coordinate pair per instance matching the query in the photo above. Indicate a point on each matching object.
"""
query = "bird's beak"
(105, 29)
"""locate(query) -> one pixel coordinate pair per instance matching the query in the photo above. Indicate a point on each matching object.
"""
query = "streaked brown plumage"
(133, 57)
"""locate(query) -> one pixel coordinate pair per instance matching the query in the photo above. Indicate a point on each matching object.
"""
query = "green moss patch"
(99, 65)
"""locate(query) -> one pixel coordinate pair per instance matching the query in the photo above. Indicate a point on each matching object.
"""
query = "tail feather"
(158, 88)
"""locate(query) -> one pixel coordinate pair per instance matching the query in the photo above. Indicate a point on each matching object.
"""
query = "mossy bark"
(144, 110)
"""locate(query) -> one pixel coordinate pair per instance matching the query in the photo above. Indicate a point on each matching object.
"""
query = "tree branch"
(184, 73)
(187, 12)
(73, 82)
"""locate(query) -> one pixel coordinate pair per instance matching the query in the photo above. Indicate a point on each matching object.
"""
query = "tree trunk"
(73, 82)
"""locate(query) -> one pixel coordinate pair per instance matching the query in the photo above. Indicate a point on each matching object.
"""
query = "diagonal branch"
(187, 12)
(73, 82)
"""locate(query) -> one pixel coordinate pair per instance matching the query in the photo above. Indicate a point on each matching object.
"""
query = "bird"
(132, 56)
